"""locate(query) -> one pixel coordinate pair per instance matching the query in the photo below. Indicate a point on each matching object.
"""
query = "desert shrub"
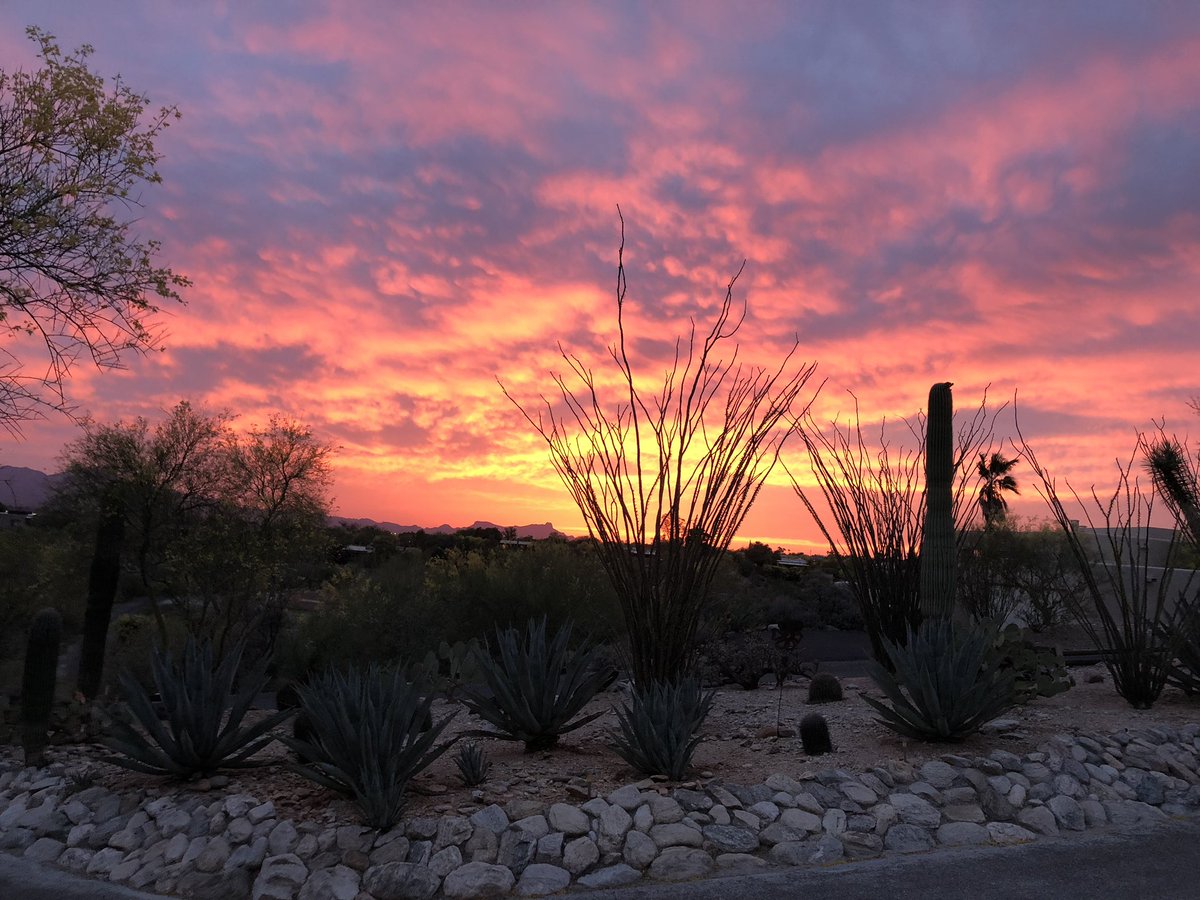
(39, 567)
(132, 640)
(1038, 670)
(945, 682)
(202, 715)
(741, 658)
(660, 727)
(814, 735)
(371, 733)
(536, 687)
(1018, 573)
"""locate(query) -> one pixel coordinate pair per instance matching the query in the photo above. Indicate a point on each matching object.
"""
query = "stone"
(1132, 814)
(283, 838)
(534, 825)
(615, 822)
(239, 830)
(640, 849)
(825, 849)
(665, 810)
(964, 812)
(452, 831)
(913, 810)
(801, 820)
(540, 879)
(517, 849)
(1150, 790)
(681, 864)
(765, 810)
(790, 853)
(214, 855)
(906, 838)
(1093, 813)
(939, 774)
(1067, 812)
(248, 856)
(610, 876)
(478, 879)
(400, 881)
(493, 818)
(834, 822)
(550, 847)
(628, 798)
(1039, 819)
(730, 838)
(336, 883)
(445, 861)
(76, 859)
(481, 846)
(677, 834)
(44, 850)
(213, 885)
(580, 855)
(104, 861)
(261, 813)
(570, 820)
(1008, 833)
(279, 878)
(859, 793)
(962, 834)
(861, 845)
(173, 821)
(126, 840)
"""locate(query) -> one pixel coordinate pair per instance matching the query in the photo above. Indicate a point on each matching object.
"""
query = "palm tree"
(994, 473)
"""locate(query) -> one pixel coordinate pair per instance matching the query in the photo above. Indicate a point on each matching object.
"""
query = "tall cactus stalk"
(938, 547)
(38, 683)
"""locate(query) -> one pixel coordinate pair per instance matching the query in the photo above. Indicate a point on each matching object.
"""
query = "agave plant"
(201, 730)
(660, 727)
(946, 682)
(535, 686)
(370, 733)
(473, 764)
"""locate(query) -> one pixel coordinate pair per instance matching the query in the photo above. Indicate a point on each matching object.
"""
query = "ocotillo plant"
(938, 548)
(38, 683)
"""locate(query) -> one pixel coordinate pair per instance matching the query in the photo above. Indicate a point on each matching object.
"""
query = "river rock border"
(236, 846)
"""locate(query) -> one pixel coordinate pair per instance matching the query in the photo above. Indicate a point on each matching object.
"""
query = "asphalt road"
(1161, 863)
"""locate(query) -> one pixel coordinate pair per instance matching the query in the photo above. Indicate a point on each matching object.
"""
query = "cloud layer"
(386, 207)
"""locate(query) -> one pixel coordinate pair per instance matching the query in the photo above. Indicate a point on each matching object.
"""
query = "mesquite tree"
(664, 477)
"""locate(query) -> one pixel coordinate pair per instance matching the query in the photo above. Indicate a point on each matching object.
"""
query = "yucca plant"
(537, 686)
(946, 683)
(200, 731)
(660, 727)
(371, 733)
(473, 764)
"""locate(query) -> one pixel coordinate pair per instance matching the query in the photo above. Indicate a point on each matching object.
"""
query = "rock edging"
(236, 846)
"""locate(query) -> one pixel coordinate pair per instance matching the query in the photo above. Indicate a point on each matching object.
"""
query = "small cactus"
(473, 764)
(824, 688)
(38, 683)
(814, 735)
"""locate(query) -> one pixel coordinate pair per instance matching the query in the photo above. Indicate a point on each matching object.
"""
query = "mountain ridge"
(25, 488)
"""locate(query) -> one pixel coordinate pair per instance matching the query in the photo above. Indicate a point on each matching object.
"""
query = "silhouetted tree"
(664, 477)
(994, 471)
(73, 278)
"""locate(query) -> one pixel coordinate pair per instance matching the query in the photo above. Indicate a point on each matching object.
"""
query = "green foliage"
(203, 717)
(74, 159)
(945, 682)
(39, 567)
(132, 640)
(452, 666)
(938, 546)
(1039, 671)
(473, 764)
(535, 686)
(742, 658)
(814, 735)
(660, 727)
(824, 688)
(39, 681)
(370, 734)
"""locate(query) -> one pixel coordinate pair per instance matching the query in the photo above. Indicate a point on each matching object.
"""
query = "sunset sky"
(384, 207)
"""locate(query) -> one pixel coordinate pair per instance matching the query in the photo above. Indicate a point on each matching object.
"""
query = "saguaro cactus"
(38, 683)
(938, 546)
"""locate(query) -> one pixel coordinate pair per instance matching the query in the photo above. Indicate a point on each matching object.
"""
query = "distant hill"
(22, 488)
(533, 532)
